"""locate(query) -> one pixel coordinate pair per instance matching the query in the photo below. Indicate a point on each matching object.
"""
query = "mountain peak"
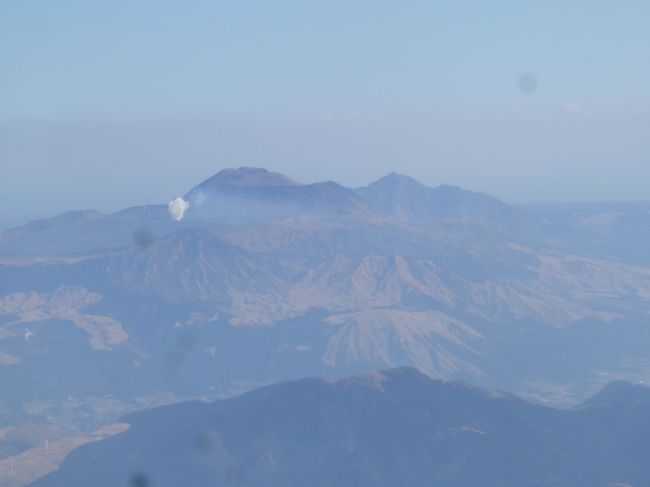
(406, 198)
(250, 195)
(619, 392)
(396, 179)
(248, 177)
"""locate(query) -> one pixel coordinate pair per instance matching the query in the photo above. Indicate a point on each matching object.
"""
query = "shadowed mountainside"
(396, 427)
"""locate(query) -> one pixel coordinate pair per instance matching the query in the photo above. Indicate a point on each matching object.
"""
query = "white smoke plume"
(177, 208)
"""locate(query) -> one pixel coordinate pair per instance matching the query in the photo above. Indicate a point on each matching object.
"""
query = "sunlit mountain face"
(261, 279)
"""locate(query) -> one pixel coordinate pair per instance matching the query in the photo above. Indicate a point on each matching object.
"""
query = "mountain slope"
(409, 200)
(396, 427)
(88, 232)
(231, 199)
(247, 196)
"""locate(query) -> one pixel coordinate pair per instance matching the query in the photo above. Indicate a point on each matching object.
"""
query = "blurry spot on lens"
(180, 349)
(204, 442)
(527, 83)
(142, 237)
(139, 480)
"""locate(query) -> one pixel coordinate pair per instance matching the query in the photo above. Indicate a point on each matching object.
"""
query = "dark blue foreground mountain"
(392, 428)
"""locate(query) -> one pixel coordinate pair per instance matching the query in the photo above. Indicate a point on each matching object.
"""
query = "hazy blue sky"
(105, 104)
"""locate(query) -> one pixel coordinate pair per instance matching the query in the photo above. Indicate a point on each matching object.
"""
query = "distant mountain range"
(405, 198)
(390, 428)
(265, 279)
(236, 198)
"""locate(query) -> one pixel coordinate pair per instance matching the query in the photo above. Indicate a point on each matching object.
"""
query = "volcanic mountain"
(266, 279)
(252, 195)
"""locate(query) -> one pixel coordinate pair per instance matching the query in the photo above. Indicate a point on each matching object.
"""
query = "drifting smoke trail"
(177, 208)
